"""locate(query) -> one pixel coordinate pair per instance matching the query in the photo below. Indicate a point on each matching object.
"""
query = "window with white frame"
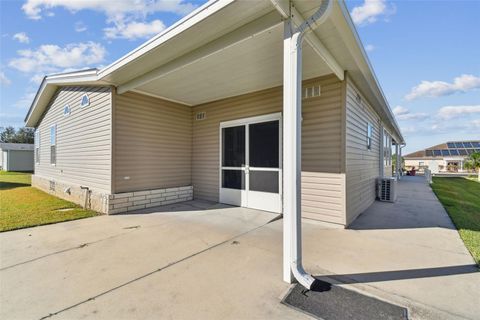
(53, 144)
(67, 110)
(37, 146)
(369, 136)
(85, 102)
(387, 149)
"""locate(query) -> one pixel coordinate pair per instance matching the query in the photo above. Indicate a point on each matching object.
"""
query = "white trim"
(255, 119)
(244, 197)
(160, 97)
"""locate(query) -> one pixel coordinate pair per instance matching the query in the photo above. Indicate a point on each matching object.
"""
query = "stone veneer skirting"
(113, 203)
(96, 201)
(130, 201)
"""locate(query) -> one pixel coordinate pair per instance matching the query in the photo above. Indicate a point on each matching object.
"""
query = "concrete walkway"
(200, 260)
(408, 253)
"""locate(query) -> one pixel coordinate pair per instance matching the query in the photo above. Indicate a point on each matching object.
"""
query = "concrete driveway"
(193, 261)
(200, 260)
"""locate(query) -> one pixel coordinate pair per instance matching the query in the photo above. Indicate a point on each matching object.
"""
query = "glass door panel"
(233, 154)
(250, 171)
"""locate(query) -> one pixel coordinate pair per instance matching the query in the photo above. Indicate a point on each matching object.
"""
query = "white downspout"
(292, 139)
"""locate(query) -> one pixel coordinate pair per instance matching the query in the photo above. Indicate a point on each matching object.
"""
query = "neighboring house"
(445, 157)
(16, 156)
(206, 110)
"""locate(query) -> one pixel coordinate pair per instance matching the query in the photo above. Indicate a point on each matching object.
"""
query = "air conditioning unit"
(387, 189)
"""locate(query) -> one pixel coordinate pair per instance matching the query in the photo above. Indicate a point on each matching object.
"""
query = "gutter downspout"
(292, 135)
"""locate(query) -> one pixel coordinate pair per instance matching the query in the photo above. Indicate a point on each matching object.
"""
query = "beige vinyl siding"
(321, 152)
(362, 164)
(152, 143)
(83, 139)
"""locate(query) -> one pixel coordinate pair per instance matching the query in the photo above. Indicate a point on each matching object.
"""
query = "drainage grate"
(330, 302)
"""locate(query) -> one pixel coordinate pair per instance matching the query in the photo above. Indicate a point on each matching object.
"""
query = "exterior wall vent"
(52, 185)
(200, 116)
(311, 92)
(387, 189)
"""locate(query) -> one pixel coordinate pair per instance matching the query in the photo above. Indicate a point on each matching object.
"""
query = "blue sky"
(425, 53)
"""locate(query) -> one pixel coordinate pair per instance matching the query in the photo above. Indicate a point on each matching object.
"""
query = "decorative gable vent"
(311, 92)
(201, 115)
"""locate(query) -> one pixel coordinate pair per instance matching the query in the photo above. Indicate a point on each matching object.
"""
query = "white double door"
(251, 162)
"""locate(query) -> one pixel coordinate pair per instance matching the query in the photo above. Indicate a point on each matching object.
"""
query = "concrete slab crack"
(227, 241)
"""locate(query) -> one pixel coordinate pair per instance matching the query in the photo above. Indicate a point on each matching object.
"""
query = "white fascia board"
(374, 83)
(51, 83)
(187, 22)
(244, 33)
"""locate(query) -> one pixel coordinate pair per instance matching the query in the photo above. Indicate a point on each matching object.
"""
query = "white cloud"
(399, 110)
(462, 83)
(80, 26)
(450, 112)
(34, 8)
(37, 78)
(50, 58)
(369, 47)
(371, 10)
(127, 18)
(475, 123)
(402, 113)
(21, 37)
(134, 30)
(25, 101)
(3, 79)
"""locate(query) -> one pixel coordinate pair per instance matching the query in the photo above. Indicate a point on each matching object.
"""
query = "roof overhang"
(226, 48)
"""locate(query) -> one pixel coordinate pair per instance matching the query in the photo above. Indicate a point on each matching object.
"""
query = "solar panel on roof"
(451, 145)
(445, 152)
(470, 151)
(462, 152)
(454, 152)
(468, 145)
(476, 144)
(429, 153)
(437, 152)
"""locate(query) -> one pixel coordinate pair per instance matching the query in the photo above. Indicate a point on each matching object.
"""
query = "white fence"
(428, 175)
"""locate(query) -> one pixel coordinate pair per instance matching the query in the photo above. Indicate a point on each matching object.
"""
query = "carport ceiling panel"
(234, 15)
(248, 66)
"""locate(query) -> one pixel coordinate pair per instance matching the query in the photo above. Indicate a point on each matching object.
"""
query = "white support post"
(291, 146)
(400, 164)
(397, 163)
(382, 152)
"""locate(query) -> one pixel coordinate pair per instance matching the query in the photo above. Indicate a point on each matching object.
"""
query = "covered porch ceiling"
(249, 65)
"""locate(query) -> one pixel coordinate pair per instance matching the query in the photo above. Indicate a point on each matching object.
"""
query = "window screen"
(53, 144)
(37, 146)
(369, 136)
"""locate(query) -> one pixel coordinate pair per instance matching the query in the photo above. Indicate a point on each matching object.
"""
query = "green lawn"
(23, 206)
(461, 199)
